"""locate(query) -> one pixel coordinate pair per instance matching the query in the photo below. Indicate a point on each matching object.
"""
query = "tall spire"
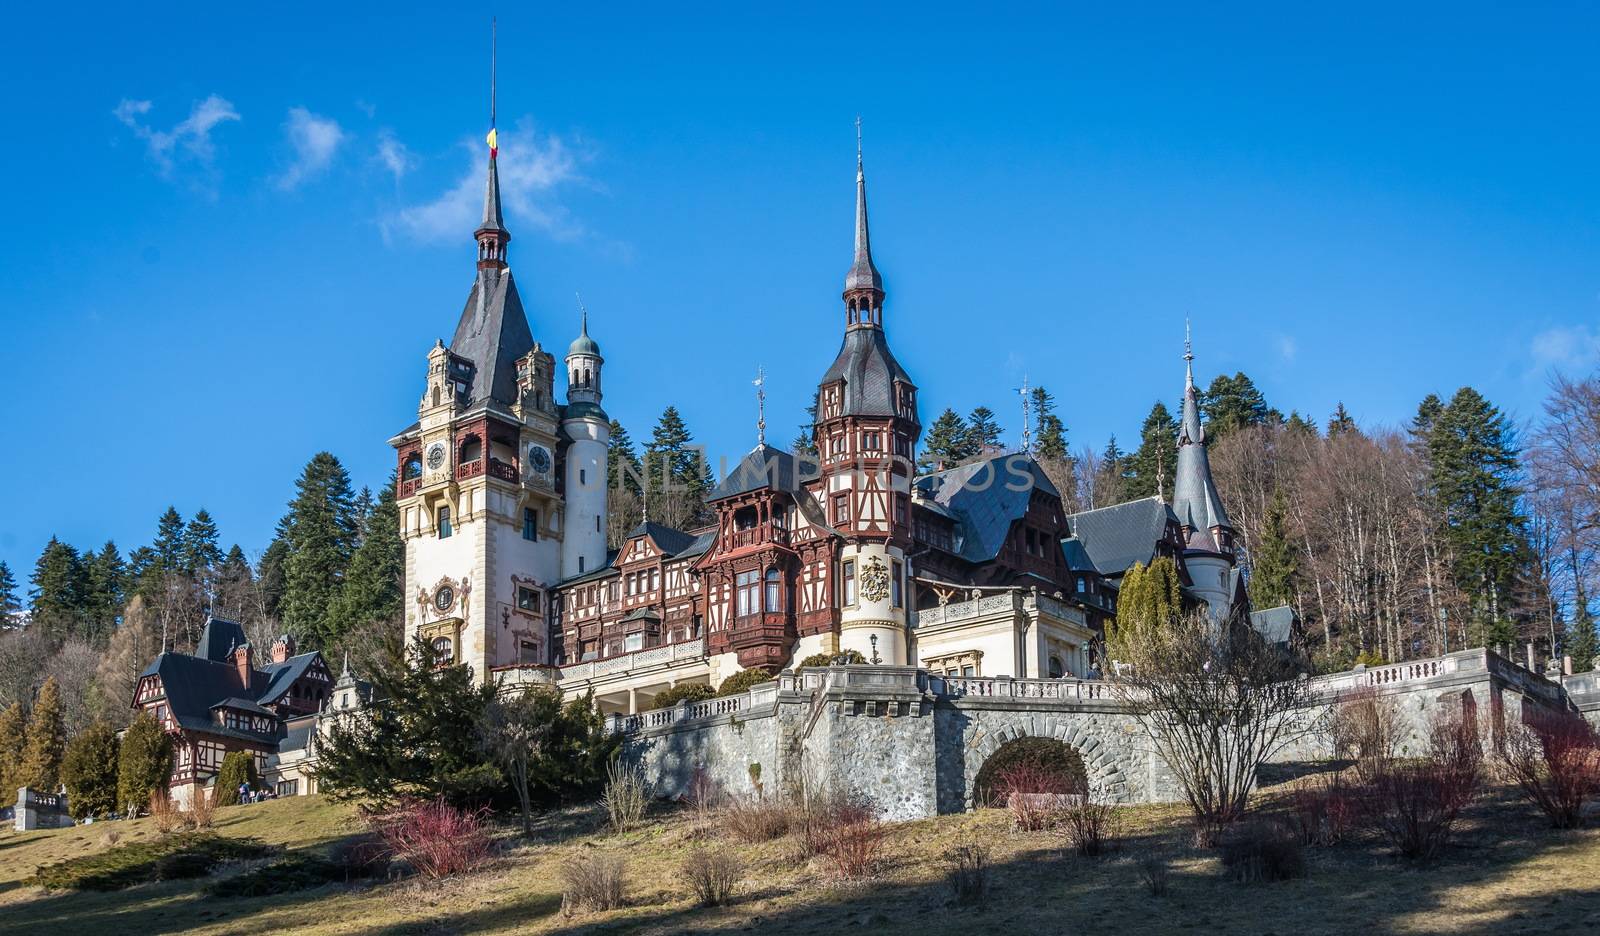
(492, 235)
(761, 406)
(1195, 500)
(863, 287)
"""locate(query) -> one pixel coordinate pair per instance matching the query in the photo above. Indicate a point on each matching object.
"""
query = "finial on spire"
(1188, 352)
(761, 406)
(1027, 435)
(583, 313)
(492, 235)
(858, 144)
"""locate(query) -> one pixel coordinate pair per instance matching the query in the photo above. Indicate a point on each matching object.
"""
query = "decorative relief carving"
(874, 579)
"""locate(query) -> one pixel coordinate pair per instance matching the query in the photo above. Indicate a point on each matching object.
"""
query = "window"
(527, 599)
(872, 441)
(847, 583)
(655, 579)
(443, 649)
(444, 523)
(413, 467)
(580, 563)
(633, 642)
(841, 509)
(771, 600)
(530, 524)
(597, 523)
(747, 593)
(288, 787)
(583, 476)
(1056, 669)
(895, 587)
(900, 509)
(527, 651)
(1082, 583)
(161, 714)
(471, 450)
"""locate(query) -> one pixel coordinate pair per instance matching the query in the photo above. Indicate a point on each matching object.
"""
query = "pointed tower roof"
(583, 344)
(863, 274)
(1195, 500)
(493, 330)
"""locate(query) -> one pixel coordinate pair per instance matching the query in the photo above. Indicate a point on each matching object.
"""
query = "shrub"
(854, 842)
(1324, 811)
(752, 819)
(626, 796)
(847, 657)
(969, 874)
(188, 854)
(202, 811)
(434, 838)
(89, 771)
(1263, 851)
(712, 873)
(1044, 756)
(1554, 759)
(743, 680)
(164, 812)
(593, 882)
(1088, 822)
(1414, 805)
(1034, 792)
(1155, 873)
(283, 876)
(682, 692)
(1365, 729)
(238, 767)
(144, 763)
(363, 856)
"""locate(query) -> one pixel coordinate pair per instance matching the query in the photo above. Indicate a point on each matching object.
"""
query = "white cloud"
(191, 137)
(315, 140)
(394, 155)
(1287, 348)
(1574, 349)
(531, 166)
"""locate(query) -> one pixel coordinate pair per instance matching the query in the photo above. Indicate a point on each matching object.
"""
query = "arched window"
(413, 467)
(744, 518)
(1056, 669)
(435, 396)
(471, 449)
(443, 651)
(772, 600)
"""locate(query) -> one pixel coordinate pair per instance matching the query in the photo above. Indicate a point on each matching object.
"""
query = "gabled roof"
(244, 705)
(493, 333)
(298, 733)
(1275, 625)
(869, 371)
(986, 497)
(670, 540)
(1116, 537)
(280, 676)
(766, 468)
(193, 686)
(219, 638)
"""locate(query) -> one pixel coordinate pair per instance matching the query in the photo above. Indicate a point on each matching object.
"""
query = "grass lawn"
(1506, 874)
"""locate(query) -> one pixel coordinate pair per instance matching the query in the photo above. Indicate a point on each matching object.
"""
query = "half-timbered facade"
(217, 700)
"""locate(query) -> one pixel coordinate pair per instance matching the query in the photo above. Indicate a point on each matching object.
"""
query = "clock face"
(539, 458)
(436, 456)
(445, 598)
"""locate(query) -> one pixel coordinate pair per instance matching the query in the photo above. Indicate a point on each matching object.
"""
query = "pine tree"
(1050, 440)
(104, 576)
(1341, 422)
(1148, 600)
(169, 544)
(1274, 559)
(13, 734)
(1474, 473)
(200, 551)
(1153, 465)
(361, 509)
(1301, 425)
(623, 469)
(948, 442)
(805, 443)
(1585, 644)
(1422, 424)
(319, 532)
(676, 475)
(372, 587)
(89, 772)
(1232, 403)
(270, 576)
(1111, 481)
(144, 763)
(983, 432)
(59, 588)
(10, 604)
(45, 742)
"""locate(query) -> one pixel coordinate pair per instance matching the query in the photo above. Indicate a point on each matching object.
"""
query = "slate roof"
(1195, 501)
(986, 498)
(869, 371)
(669, 540)
(298, 733)
(863, 274)
(1077, 557)
(1275, 625)
(1114, 538)
(244, 705)
(493, 333)
(219, 638)
(280, 676)
(765, 467)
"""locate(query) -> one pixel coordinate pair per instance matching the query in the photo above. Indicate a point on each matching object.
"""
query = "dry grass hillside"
(1507, 873)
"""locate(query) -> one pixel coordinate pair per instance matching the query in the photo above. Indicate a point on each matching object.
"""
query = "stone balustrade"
(759, 697)
(638, 659)
(1015, 602)
(1007, 687)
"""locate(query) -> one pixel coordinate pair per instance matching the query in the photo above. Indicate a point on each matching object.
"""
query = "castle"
(503, 503)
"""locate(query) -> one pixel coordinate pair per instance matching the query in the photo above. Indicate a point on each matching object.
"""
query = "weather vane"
(761, 405)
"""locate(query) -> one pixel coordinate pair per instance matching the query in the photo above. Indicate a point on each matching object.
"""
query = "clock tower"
(482, 513)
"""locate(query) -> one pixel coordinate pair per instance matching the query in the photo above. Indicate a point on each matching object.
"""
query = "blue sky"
(230, 237)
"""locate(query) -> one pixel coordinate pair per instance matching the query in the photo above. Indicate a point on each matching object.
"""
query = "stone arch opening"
(1051, 765)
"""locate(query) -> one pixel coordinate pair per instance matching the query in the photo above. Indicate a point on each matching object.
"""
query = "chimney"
(282, 648)
(244, 664)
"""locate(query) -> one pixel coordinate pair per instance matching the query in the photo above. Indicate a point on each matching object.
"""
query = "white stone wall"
(585, 538)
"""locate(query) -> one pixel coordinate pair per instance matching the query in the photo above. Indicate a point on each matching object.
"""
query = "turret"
(589, 428)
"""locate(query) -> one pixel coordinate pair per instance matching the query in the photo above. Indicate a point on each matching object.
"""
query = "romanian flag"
(494, 144)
